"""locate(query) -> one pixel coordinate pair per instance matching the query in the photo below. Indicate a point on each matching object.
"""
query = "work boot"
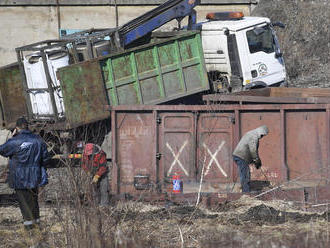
(37, 224)
(29, 227)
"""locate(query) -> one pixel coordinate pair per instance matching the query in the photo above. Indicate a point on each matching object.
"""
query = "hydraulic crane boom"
(142, 25)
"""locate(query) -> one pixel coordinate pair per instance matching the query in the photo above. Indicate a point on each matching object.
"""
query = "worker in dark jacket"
(246, 152)
(28, 155)
(94, 161)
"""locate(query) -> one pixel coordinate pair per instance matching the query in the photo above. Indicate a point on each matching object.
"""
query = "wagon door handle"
(158, 155)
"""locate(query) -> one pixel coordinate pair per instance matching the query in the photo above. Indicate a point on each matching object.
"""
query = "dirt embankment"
(305, 41)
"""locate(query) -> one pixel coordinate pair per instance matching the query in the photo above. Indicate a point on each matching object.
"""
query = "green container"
(169, 67)
(12, 100)
(166, 69)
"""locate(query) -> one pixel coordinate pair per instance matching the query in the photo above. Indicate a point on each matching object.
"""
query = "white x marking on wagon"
(214, 158)
(176, 158)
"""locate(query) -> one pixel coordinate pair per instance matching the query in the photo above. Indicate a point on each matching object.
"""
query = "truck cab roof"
(231, 25)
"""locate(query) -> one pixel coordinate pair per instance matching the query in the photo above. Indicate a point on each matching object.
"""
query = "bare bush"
(305, 40)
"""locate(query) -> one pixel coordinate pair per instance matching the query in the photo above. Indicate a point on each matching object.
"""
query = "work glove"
(95, 179)
(257, 163)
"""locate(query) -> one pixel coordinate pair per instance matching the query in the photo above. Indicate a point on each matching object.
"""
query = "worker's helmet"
(90, 149)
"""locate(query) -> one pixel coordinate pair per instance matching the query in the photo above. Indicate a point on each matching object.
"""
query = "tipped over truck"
(73, 81)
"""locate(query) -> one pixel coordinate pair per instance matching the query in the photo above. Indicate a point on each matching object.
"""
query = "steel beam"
(112, 2)
(219, 107)
(241, 99)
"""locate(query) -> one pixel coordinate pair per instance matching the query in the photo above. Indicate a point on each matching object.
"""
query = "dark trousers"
(28, 204)
(101, 191)
(244, 173)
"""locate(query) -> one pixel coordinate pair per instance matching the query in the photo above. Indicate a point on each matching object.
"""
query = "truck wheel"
(219, 86)
(219, 83)
(236, 84)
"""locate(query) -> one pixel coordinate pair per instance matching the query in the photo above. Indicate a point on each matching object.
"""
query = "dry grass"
(304, 41)
(135, 224)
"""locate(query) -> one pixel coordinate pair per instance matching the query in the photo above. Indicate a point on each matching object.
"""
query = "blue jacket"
(28, 155)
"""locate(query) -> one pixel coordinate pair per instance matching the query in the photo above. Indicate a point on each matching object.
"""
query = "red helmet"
(90, 149)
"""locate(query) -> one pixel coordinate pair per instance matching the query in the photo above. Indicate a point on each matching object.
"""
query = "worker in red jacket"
(94, 161)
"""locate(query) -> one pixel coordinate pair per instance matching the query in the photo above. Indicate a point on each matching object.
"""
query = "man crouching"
(246, 152)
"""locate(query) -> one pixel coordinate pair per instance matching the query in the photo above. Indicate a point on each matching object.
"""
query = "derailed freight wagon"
(240, 52)
(168, 67)
(153, 143)
(158, 75)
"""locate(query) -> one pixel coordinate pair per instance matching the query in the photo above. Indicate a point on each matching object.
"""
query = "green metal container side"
(83, 93)
(166, 69)
(12, 100)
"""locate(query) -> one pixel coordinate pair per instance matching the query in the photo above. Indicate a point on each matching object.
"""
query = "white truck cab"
(241, 52)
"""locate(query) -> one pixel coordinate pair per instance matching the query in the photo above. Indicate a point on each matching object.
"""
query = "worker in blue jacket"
(28, 156)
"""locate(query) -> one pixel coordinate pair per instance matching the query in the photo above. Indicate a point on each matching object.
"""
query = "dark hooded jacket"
(247, 148)
(28, 155)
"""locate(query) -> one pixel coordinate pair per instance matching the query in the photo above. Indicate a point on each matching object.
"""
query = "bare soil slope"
(306, 39)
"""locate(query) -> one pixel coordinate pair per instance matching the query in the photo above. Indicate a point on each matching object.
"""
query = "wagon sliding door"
(177, 144)
(134, 167)
(215, 132)
(189, 141)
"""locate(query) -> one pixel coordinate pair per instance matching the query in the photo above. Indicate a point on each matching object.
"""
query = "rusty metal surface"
(13, 103)
(187, 138)
(317, 195)
(215, 139)
(83, 93)
(218, 98)
(135, 140)
(269, 146)
(177, 145)
(287, 92)
(307, 149)
(316, 198)
(220, 107)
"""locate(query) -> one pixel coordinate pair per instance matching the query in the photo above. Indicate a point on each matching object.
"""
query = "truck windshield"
(261, 40)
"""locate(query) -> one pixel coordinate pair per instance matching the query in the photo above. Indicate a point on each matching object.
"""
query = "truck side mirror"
(278, 24)
(278, 55)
